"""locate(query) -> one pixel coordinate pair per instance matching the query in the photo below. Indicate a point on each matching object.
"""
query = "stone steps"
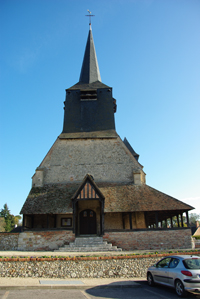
(88, 244)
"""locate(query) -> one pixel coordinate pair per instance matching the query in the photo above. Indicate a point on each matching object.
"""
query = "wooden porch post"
(187, 217)
(156, 216)
(32, 221)
(102, 217)
(23, 222)
(74, 218)
(177, 216)
(171, 222)
(47, 220)
(55, 220)
(182, 219)
(130, 220)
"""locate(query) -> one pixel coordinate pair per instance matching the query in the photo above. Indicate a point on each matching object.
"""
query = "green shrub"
(196, 237)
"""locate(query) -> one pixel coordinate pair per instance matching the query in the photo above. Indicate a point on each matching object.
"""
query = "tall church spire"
(90, 70)
(89, 105)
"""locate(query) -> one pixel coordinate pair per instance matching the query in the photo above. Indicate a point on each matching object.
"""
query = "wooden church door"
(88, 222)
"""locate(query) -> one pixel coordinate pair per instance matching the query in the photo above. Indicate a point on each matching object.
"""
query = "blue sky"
(147, 50)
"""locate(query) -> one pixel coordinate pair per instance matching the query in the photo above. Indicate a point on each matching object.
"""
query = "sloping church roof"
(90, 77)
(90, 69)
(57, 199)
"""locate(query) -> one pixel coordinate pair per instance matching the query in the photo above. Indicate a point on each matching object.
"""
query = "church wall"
(41, 221)
(126, 221)
(69, 160)
(37, 179)
(113, 221)
(62, 220)
(122, 220)
(140, 220)
(151, 239)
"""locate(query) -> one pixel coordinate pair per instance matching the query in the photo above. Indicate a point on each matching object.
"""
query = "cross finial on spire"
(90, 15)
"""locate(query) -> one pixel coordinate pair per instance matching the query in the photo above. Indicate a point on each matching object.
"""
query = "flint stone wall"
(78, 269)
(9, 241)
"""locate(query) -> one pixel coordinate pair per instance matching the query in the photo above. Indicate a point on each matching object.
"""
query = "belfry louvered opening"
(88, 95)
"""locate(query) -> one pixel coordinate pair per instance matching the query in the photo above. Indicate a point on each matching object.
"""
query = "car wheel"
(179, 287)
(150, 279)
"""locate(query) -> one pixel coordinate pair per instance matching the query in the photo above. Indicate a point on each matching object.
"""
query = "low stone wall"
(44, 240)
(81, 267)
(78, 269)
(151, 239)
(9, 241)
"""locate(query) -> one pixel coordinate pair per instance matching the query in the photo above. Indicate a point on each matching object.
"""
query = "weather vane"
(90, 15)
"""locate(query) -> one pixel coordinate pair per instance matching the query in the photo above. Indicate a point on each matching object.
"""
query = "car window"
(173, 263)
(163, 263)
(192, 263)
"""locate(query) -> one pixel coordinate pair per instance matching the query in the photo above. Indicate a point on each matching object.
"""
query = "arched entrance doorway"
(88, 222)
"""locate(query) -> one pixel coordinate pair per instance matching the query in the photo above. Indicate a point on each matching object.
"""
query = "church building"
(91, 182)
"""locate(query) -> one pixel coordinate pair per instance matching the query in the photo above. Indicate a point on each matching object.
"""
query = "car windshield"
(192, 263)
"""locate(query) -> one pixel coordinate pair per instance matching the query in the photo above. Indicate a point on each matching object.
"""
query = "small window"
(174, 263)
(85, 214)
(193, 263)
(164, 263)
(91, 214)
(66, 222)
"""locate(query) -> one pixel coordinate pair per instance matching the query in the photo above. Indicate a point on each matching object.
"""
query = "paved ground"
(115, 288)
(138, 291)
(16, 282)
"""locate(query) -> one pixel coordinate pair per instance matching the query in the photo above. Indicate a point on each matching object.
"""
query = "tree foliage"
(10, 220)
(2, 224)
(193, 218)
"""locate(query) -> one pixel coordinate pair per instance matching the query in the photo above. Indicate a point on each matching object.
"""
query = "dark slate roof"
(88, 86)
(85, 135)
(135, 155)
(90, 69)
(57, 199)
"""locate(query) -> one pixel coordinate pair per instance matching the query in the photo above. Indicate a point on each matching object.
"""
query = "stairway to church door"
(88, 222)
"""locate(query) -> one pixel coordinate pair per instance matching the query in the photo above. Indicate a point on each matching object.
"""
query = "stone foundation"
(44, 240)
(151, 239)
(9, 241)
(127, 240)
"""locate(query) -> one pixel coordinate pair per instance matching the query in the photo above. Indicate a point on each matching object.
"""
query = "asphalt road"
(143, 291)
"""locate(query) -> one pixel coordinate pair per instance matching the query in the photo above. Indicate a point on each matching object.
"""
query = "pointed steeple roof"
(90, 70)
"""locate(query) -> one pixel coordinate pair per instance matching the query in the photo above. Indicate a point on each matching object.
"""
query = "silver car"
(179, 271)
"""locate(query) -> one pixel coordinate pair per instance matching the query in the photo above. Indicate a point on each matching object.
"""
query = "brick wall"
(151, 239)
(9, 241)
(44, 240)
(127, 240)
